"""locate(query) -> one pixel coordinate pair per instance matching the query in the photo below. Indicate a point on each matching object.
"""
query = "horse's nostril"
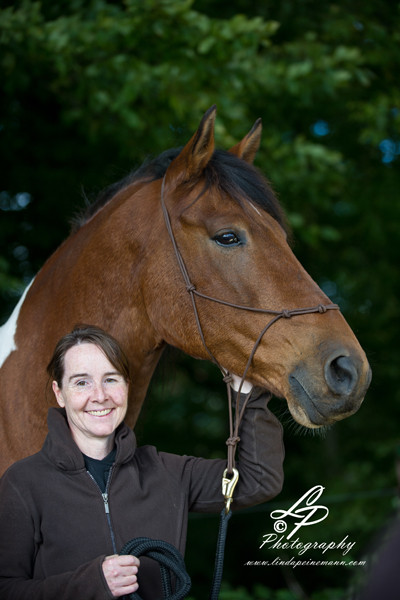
(341, 375)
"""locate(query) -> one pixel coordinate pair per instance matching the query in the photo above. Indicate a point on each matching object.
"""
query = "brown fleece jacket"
(54, 530)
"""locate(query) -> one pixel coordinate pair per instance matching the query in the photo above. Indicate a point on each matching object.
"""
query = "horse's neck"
(94, 277)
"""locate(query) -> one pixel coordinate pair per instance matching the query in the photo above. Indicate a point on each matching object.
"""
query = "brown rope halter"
(234, 438)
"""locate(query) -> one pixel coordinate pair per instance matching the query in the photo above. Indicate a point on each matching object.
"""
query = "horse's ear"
(248, 147)
(193, 158)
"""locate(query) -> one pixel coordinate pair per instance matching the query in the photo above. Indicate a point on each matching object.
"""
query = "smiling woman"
(66, 511)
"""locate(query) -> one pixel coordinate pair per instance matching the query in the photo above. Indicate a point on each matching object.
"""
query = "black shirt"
(100, 469)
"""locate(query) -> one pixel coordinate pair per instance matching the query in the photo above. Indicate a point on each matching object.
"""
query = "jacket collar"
(61, 450)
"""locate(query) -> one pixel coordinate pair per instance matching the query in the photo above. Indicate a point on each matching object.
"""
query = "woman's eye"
(227, 238)
(117, 379)
(82, 383)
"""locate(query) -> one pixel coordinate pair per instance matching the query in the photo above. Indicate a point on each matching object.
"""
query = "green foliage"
(91, 88)
(261, 592)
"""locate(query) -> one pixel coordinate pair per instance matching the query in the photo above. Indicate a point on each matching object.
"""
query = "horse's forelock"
(241, 180)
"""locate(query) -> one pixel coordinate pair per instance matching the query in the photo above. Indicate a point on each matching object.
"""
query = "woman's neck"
(97, 448)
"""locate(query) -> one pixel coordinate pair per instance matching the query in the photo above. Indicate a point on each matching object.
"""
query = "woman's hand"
(120, 573)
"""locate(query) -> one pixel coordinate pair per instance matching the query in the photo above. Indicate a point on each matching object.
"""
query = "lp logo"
(304, 509)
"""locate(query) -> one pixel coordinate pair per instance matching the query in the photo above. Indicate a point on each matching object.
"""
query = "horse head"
(230, 237)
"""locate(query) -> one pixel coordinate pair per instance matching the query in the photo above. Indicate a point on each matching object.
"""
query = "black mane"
(233, 176)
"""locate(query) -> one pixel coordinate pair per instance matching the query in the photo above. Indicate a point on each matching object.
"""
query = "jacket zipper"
(106, 505)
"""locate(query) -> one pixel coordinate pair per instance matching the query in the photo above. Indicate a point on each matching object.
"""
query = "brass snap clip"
(228, 486)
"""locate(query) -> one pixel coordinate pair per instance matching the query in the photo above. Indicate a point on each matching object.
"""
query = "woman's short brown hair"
(87, 334)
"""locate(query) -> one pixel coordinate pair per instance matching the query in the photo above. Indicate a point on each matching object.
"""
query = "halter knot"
(322, 308)
(286, 313)
(228, 378)
(232, 441)
(190, 287)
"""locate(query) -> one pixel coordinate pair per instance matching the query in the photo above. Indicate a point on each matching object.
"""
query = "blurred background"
(91, 88)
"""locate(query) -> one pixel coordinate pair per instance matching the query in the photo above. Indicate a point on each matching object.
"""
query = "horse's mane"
(231, 175)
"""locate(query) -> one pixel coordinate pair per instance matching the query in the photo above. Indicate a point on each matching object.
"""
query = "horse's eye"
(227, 238)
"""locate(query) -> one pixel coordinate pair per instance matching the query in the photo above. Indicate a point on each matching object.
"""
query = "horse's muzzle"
(337, 394)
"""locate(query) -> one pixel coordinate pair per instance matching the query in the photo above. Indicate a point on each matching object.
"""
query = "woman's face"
(93, 393)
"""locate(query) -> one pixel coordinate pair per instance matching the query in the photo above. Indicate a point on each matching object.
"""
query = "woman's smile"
(100, 413)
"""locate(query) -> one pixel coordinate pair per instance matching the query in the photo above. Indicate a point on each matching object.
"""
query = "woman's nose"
(99, 390)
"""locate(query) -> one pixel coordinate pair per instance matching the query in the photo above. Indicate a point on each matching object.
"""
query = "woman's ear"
(58, 394)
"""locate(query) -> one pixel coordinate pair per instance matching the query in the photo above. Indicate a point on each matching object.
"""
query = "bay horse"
(118, 270)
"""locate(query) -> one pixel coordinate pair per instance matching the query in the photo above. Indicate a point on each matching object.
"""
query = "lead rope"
(169, 559)
(231, 475)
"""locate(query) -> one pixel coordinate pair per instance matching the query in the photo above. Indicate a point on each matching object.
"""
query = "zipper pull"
(106, 507)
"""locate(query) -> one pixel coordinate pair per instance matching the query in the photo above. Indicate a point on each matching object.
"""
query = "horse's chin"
(310, 414)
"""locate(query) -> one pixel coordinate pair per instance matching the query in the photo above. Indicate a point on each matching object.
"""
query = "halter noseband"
(277, 314)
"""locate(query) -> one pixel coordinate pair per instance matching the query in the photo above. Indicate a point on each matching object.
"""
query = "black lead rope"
(219, 555)
(171, 561)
